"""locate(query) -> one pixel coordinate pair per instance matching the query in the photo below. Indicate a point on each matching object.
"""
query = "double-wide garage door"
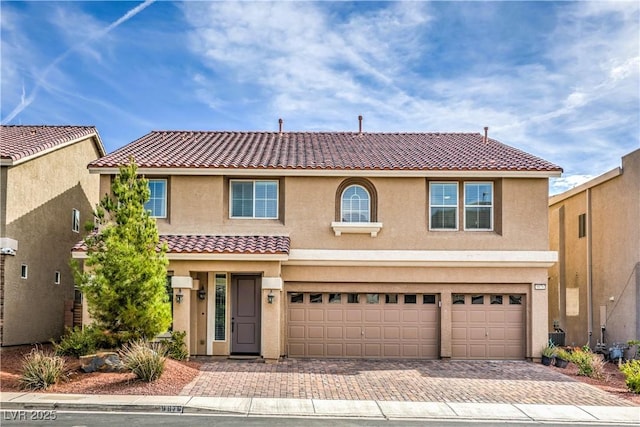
(487, 326)
(367, 325)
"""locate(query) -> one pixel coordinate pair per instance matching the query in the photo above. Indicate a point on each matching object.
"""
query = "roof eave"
(334, 172)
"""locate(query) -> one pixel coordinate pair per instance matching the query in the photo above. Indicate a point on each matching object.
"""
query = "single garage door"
(487, 326)
(368, 325)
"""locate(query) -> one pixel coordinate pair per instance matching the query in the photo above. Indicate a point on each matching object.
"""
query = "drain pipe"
(589, 271)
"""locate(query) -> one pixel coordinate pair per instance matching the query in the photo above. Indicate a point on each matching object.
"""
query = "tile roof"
(18, 142)
(207, 244)
(323, 150)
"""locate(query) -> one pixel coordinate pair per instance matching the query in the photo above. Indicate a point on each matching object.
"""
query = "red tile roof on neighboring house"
(323, 150)
(207, 244)
(19, 142)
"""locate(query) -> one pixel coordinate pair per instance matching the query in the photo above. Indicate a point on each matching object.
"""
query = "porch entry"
(245, 314)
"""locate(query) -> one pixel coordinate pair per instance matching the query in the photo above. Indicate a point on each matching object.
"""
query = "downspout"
(589, 270)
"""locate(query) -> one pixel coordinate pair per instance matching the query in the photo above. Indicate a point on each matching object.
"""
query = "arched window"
(356, 204)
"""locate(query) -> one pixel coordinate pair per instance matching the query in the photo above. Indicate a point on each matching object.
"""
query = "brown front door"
(245, 316)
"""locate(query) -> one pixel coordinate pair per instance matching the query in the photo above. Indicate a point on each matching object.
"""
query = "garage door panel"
(315, 315)
(372, 332)
(315, 349)
(372, 350)
(323, 329)
(373, 316)
(391, 350)
(391, 333)
(478, 317)
(477, 333)
(315, 332)
(410, 333)
(496, 317)
(297, 332)
(353, 350)
(458, 315)
(296, 349)
(392, 315)
(335, 350)
(353, 315)
(410, 315)
(335, 315)
(352, 332)
(459, 333)
(334, 332)
(296, 314)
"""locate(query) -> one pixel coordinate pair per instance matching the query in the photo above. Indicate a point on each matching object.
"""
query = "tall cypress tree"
(124, 282)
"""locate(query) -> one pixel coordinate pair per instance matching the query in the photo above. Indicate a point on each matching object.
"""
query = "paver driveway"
(397, 380)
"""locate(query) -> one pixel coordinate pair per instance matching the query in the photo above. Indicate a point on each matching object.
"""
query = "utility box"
(557, 338)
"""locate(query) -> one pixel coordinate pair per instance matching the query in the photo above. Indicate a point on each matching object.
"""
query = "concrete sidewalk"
(320, 408)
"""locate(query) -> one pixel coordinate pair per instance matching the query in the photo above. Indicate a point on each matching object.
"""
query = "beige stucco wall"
(614, 239)
(40, 196)
(199, 204)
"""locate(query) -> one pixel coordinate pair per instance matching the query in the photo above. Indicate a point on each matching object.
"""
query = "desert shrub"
(631, 371)
(76, 342)
(589, 364)
(146, 360)
(41, 370)
(176, 348)
(549, 350)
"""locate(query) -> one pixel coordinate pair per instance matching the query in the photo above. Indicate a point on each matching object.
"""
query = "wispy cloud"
(42, 77)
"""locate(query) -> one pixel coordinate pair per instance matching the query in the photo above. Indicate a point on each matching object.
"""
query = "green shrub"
(549, 350)
(144, 359)
(41, 370)
(176, 348)
(589, 364)
(76, 342)
(631, 371)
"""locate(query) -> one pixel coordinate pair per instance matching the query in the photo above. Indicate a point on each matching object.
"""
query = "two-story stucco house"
(340, 244)
(47, 194)
(594, 289)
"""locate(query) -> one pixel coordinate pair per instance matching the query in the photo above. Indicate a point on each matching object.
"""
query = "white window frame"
(490, 206)
(56, 278)
(368, 205)
(75, 220)
(24, 268)
(457, 206)
(164, 199)
(254, 181)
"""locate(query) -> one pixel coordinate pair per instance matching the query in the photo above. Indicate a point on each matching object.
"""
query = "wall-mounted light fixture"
(270, 297)
(179, 296)
(202, 293)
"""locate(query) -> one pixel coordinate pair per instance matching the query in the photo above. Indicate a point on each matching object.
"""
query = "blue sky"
(558, 79)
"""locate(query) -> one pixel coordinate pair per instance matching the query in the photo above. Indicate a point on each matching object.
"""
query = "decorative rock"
(102, 362)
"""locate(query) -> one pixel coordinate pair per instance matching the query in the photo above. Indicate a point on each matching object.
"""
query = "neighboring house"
(47, 196)
(595, 228)
(340, 244)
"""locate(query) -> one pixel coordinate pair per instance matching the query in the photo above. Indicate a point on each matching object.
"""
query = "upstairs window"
(75, 220)
(254, 199)
(355, 204)
(443, 205)
(157, 204)
(478, 206)
(582, 225)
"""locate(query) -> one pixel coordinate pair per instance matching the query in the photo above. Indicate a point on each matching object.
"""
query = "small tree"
(124, 284)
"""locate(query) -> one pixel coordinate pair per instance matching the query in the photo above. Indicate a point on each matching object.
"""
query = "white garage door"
(488, 326)
(375, 325)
